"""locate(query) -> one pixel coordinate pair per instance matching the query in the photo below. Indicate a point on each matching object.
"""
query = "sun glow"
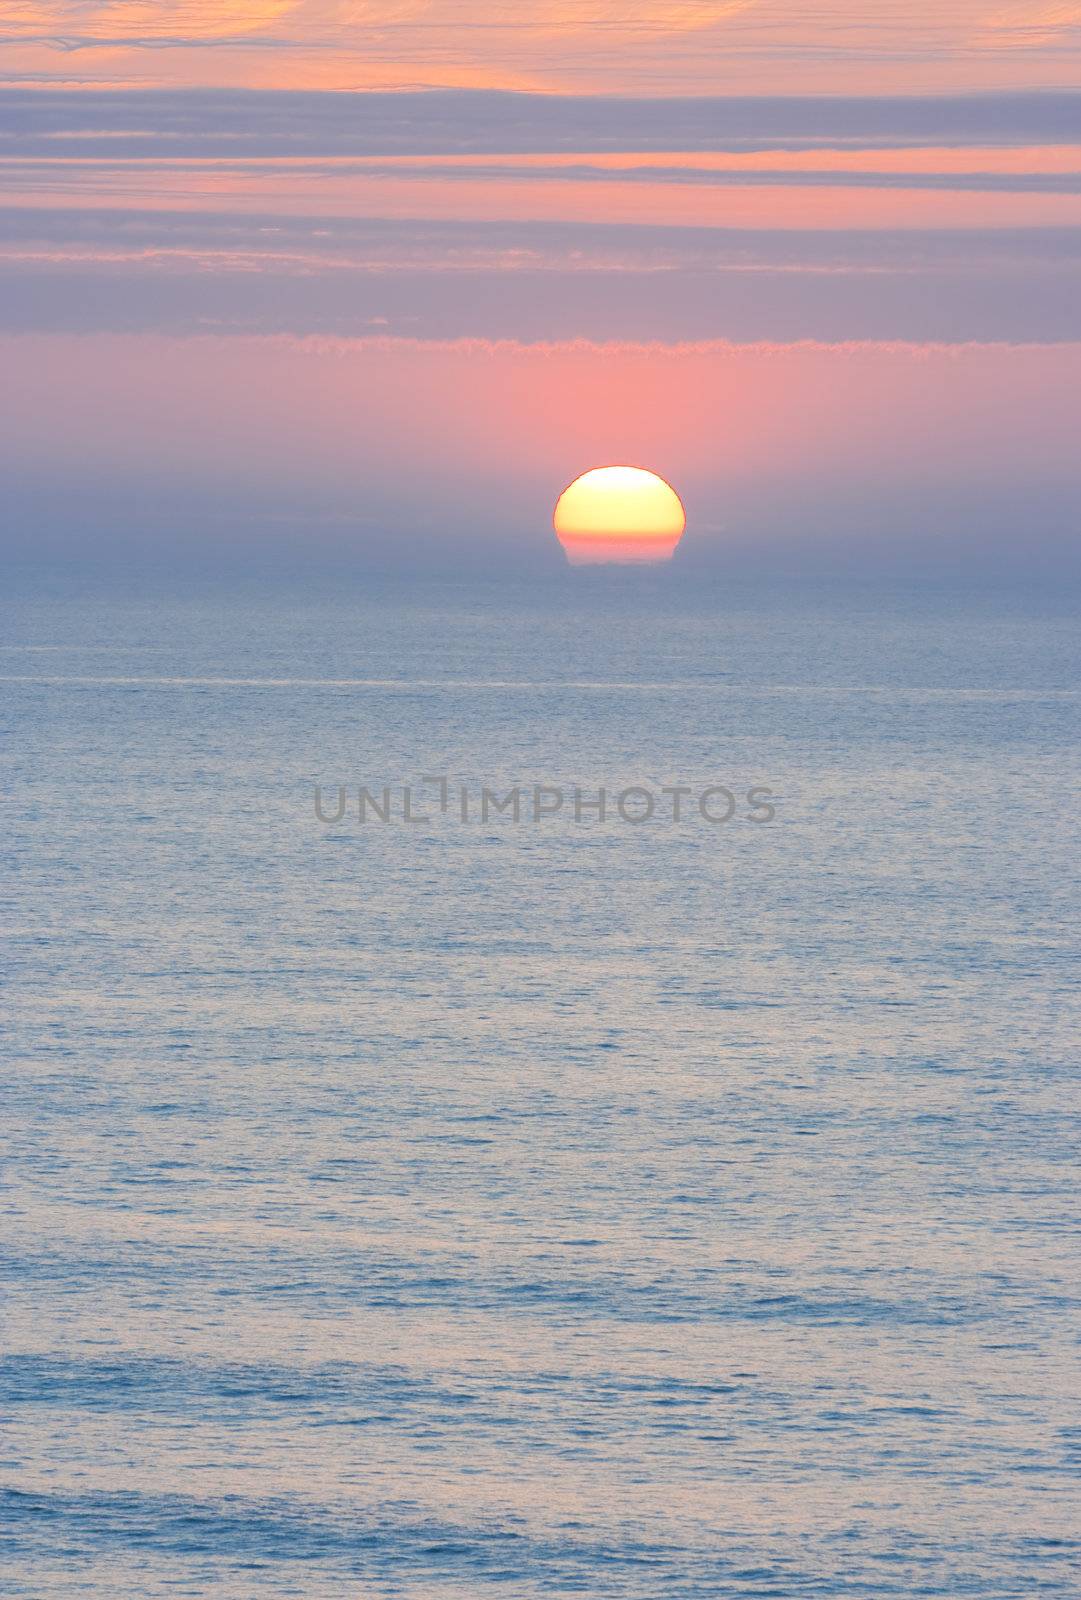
(619, 514)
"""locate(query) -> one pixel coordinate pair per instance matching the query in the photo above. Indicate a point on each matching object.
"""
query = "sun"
(619, 514)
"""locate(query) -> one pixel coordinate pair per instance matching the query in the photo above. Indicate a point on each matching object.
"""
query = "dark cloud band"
(268, 123)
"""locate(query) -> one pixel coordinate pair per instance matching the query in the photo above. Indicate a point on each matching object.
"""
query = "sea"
(469, 1205)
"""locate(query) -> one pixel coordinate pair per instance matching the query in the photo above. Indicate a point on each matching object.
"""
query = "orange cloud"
(316, 20)
(1032, 27)
(197, 20)
(573, 16)
(684, 46)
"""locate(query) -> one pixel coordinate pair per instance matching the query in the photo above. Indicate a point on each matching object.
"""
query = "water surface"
(546, 1209)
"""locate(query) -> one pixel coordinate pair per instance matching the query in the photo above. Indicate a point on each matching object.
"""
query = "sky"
(375, 281)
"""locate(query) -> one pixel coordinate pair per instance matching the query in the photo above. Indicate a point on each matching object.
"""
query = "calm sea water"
(540, 1210)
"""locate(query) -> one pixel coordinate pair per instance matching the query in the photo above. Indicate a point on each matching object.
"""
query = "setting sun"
(619, 514)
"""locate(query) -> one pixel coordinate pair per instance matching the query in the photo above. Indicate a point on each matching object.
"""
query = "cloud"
(652, 46)
(124, 20)
(1032, 27)
(441, 246)
(268, 123)
(73, 22)
(182, 272)
(158, 255)
(668, 16)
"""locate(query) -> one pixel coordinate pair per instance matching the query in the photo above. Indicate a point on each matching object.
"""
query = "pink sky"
(839, 293)
(459, 445)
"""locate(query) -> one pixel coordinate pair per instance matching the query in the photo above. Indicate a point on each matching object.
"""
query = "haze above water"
(541, 1209)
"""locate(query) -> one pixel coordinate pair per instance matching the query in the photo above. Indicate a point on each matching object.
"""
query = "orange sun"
(619, 514)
